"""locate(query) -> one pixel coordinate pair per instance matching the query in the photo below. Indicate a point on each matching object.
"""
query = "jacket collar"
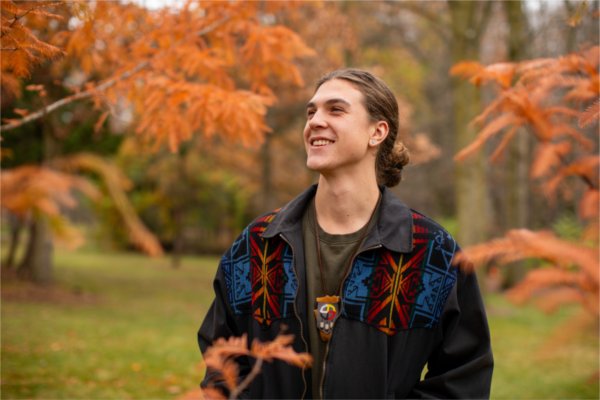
(394, 228)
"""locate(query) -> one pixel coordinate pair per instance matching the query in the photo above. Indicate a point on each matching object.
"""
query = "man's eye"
(337, 109)
(310, 113)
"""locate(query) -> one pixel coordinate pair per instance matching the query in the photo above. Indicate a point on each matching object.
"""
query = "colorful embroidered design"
(390, 291)
(259, 275)
(395, 291)
(236, 270)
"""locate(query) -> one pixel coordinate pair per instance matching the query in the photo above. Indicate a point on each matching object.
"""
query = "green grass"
(118, 326)
(540, 356)
(121, 326)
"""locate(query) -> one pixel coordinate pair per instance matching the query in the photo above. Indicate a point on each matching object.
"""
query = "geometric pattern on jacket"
(396, 291)
(387, 290)
(258, 275)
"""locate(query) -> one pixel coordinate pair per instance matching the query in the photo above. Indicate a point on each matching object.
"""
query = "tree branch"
(90, 92)
(213, 26)
(438, 24)
(484, 18)
(249, 378)
(415, 50)
(16, 18)
(69, 99)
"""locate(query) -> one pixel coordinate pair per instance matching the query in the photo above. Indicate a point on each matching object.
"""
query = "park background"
(139, 138)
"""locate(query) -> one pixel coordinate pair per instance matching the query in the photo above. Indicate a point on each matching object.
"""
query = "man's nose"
(317, 120)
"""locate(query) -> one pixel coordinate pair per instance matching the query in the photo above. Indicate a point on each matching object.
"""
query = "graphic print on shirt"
(397, 291)
(259, 276)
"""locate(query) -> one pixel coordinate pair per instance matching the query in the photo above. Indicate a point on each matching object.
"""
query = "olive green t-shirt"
(336, 251)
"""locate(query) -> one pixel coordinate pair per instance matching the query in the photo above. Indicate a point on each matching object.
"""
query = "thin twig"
(249, 378)
(18, 17)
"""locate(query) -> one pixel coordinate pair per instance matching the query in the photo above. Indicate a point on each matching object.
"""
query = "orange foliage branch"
(92, 90)
(522, 244)
(116, 184)
(21, 49)
(42, 191)
(203, 69)
(546, 96)
(554, 98)
(591, 114)
(220, 358)
(571, 265)
(70, 99)
(33, 191)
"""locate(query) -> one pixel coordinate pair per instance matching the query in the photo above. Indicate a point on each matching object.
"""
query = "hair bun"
(400, 155)
(391, 161)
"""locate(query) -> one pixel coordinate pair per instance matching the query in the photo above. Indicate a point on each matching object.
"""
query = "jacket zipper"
(296, 314)
(322, 385)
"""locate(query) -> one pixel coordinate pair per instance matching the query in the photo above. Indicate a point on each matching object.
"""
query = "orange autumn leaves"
(21, 49)
(199, 70)
(555, 100)
(220, 357)
(35, 191)
(206, 69)
(524, 99)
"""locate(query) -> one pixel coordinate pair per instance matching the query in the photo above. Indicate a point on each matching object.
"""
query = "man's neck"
(345, 205)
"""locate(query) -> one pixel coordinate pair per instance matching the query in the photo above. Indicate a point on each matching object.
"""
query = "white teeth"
(321, 142)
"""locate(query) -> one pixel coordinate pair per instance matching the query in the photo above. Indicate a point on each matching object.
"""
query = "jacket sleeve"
(462, 363)
(220, 322)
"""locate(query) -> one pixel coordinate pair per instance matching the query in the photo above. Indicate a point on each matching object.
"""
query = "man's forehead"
(335, 91)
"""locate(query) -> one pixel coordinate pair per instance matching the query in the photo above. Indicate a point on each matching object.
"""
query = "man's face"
(338, 128)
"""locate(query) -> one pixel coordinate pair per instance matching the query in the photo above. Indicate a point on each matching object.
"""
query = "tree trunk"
(571, 36)
(516, 183)
(36, 265)
(178, 239)
(472, 193)
(16, 228)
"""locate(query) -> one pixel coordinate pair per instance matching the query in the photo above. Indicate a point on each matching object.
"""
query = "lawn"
(119, 326)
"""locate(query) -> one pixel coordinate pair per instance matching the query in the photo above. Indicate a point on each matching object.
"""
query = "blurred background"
(140, 137)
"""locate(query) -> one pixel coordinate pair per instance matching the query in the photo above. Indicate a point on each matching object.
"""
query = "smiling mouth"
(320, 142)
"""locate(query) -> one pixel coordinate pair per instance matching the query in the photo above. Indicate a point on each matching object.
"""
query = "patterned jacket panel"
(397, 291)
(259, 275)
(388, 290)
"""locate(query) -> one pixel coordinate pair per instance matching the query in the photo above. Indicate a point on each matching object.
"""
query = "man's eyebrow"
(329, 102)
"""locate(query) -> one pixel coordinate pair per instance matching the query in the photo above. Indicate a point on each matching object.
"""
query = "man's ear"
(379, 133)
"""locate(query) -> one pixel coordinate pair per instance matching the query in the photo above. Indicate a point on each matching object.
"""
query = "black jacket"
(404, 308)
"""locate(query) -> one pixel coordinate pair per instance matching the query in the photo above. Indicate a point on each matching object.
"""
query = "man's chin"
(314, 167)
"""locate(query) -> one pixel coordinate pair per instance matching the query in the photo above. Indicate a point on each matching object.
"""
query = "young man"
(364, 283)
